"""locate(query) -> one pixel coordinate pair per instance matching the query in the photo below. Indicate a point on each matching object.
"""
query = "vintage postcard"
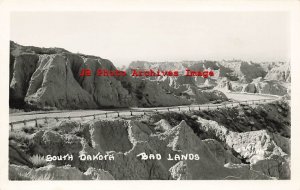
(191, 91)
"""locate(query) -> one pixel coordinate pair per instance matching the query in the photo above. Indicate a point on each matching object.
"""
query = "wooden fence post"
(131, 113)
(11, 127)
(36, 123)
(118, 114)
(94, 116)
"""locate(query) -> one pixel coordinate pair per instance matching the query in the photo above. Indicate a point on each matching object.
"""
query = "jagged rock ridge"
(48, 78)
(230, 75)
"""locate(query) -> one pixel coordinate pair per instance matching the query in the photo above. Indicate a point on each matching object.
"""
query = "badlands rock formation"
(265, 87)
(233, 75)
(231, 143)
(279, 72)
(48, 78)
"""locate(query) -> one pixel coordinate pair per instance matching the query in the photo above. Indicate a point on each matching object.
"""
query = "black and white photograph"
(149, 95)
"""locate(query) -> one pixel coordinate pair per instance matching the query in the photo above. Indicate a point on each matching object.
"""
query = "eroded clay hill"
(246, 142)
(48, 78)
(234, 75)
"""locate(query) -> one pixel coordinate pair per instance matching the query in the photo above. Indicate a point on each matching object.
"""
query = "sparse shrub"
(55, 128)
(29, 129)
(38, 161)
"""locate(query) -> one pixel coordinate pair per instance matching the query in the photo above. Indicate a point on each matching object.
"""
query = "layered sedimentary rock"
(191, 146)
(264, 151)
(231, 75)
(258, 85)
(48, 78)
(135, 138)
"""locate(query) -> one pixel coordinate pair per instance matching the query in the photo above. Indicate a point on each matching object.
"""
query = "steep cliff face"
(53, 83)
(48, 78)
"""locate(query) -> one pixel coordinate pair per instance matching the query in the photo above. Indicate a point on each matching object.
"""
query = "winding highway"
(234, 100)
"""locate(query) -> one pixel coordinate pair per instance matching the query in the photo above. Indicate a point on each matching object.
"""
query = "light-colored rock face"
(98, 174)
(266, 87)
(258, 85)
(265, 152)
(162, 125)
(232, 75)
(224, 84)
(53, 84)
(255, 146)
(237, 70)
(280, 72)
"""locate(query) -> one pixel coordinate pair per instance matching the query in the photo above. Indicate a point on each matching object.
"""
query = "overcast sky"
(123, 37)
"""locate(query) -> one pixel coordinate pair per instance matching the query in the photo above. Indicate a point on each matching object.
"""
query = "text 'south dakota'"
(145, 73)
(82, 157)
